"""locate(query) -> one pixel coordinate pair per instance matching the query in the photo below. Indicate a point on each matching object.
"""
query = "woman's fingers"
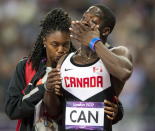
(110, 117)
(111, 109)
(54, 73)
(59, 94)
(54, 79)
(109, 112)
(106, 102)
(51, 85)
(110, 104)
(58, 90)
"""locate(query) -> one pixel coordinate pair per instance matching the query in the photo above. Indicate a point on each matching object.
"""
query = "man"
(98, 22)
(95, 73)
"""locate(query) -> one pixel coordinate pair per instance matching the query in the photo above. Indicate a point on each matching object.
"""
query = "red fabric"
(29, 73)
(18, 125)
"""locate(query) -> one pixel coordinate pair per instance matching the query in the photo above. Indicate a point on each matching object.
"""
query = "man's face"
(92, 17)
(57, 44)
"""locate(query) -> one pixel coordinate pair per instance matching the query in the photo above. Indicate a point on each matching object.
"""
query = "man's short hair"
(108, 17)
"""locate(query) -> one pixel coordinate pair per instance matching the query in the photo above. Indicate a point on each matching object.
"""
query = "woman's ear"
(44, 42)
(106, 31)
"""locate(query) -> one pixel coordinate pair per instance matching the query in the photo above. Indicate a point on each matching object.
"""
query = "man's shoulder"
(119, 48)
(122, 51)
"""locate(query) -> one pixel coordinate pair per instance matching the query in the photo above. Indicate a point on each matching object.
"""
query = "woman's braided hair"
(56, 20)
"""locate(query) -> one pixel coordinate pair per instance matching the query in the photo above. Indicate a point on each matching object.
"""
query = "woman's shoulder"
(21, 63)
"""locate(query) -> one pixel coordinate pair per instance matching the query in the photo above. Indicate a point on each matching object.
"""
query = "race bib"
(84, 115)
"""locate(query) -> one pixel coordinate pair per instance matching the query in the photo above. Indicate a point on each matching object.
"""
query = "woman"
(52, 43)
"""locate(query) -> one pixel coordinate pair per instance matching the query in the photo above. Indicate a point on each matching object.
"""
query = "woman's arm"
(114, 110)
(18, 105)
(53, 92)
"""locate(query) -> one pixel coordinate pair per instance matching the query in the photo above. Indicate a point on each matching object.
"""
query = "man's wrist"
(93, 42)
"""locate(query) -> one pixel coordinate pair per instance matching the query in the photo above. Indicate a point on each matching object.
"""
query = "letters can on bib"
(84, 115)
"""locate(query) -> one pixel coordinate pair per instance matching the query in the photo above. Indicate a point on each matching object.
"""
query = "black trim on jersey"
(85, 65)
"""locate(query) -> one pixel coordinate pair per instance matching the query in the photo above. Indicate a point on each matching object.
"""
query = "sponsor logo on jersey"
(68, 69)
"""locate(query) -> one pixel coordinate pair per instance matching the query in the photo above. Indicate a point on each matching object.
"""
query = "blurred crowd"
(135, 28)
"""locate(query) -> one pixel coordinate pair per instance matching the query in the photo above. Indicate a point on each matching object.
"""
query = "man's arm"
(118, 60)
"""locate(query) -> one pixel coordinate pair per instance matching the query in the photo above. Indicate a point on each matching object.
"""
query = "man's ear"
(106, 31)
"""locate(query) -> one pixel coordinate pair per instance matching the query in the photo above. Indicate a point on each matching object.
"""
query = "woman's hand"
(111, 109)
(53, 82)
